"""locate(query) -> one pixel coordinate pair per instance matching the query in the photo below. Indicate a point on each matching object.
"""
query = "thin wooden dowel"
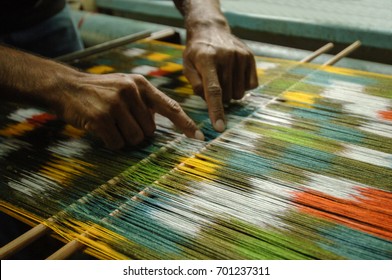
(36, 232)
(23, 240)
(75, 245)
(318, 52)
(343, 53)
(67, 250)
(161, 34)
(103, 47)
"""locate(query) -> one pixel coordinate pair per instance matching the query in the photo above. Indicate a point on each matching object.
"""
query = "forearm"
(199, 14)
(30, 79)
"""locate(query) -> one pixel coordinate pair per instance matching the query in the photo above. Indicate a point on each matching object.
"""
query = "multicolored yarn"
(304, 170)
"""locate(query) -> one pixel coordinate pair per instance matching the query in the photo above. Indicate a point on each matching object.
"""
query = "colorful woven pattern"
(304, 170)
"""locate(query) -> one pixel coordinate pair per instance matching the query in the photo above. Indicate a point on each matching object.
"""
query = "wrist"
(60, 87)
(204, 14)
(201, 25)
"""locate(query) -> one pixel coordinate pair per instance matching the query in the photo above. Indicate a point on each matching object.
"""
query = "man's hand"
(119, 108)
(220, 68)
(217, 64)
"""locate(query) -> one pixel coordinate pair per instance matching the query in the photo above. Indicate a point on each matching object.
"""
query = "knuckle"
(215, 107)
(139, 79)
(243, 53)
(250, 55)
(216, 110)
(122, 76)
(132, 87)
(126, 86)
(207, 54)
(189, 124)
(174, 107)
(214, 91)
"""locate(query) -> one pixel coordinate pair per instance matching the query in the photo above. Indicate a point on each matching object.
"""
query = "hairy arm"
(118, 108)
(33, 80)
(217, 64)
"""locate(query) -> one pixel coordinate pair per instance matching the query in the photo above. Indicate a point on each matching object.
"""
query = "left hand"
(220, 68)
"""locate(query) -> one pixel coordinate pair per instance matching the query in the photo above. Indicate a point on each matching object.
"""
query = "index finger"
(167, 107)
(213, 95)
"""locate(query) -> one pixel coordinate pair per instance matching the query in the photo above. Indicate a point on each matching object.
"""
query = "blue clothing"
(53, 37)
(21, 14)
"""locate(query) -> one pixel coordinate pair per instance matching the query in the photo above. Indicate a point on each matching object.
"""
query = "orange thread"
(386, 115)
(372, 212)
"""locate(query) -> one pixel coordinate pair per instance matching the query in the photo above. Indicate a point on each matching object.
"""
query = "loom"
(304, 170)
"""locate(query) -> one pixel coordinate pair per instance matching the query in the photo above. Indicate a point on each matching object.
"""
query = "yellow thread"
(353, 72)
(72, 132)
(199, 167)
(16, 129)
(184, 90)
(157, 56)
(62, 170)
(171, 67)
(204, 157)
(300, 99)
(100, 69)
(182, 78)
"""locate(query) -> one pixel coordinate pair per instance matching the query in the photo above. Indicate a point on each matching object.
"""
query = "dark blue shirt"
(18, 14)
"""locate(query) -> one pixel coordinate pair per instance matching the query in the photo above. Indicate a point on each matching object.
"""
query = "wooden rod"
(161, 34)
(41, 229)
(67, 250)
(75, 245)
(343, 53)
(318, 52)
(22, 241)
(117, 43)
(103, 47)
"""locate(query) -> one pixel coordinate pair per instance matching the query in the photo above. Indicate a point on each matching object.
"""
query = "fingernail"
(199, 135)
(220, 125)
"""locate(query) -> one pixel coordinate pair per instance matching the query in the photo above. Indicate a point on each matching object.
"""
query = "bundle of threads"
(303, 171)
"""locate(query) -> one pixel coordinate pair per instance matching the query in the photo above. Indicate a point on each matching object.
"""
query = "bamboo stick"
(318, 52)
(343, 53)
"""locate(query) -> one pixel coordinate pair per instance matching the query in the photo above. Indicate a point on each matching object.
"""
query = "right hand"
(119, 108)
